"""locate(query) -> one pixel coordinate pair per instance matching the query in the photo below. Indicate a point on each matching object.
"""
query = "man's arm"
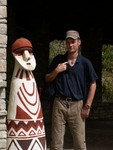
(52, 75)
(86, 108)
(91, 94)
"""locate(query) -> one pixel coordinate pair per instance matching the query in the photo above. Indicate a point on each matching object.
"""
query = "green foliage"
(107, 57)
(56, 47)
(107, 73)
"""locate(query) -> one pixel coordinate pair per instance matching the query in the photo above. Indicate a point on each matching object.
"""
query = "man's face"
(72, 45)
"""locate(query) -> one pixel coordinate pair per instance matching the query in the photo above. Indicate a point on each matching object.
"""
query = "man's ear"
(79, 42)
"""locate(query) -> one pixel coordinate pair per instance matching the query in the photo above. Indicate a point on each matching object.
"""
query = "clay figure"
(25, 124)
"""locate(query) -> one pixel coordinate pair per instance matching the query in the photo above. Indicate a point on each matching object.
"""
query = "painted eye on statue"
(19, 54)
(21, 50)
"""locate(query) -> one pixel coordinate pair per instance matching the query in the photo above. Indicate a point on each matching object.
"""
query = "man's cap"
(20, 45)
(72, 34)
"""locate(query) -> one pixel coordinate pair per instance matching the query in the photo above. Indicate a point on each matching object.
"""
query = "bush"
(107, 73)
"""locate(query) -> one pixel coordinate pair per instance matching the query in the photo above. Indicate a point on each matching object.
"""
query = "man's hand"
(52, 75)
(85, 112)
(61, 67)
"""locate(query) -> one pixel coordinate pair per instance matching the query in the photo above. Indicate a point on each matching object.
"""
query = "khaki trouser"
(67, 112)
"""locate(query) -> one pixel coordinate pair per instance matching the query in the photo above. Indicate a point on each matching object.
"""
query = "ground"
(99, 135)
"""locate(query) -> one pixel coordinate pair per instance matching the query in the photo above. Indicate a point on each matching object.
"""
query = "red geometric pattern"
(25, 125)
(28, 144)
(25, 129)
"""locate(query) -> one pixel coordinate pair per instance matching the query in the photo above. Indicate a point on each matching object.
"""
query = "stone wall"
(3, 64)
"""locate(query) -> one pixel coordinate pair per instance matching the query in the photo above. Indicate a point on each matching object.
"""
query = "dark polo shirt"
(75, 80)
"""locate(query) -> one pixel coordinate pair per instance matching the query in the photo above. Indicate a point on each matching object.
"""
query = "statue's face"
(26, 59)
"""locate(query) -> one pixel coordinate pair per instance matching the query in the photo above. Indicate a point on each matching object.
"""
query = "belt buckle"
(68, 99)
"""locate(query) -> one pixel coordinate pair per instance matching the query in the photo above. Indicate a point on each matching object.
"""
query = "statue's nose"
(26, 55)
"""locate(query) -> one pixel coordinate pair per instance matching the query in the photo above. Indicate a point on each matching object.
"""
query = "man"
(74, 80)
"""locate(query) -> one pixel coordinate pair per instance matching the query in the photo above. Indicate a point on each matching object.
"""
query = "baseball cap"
(72, 34)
